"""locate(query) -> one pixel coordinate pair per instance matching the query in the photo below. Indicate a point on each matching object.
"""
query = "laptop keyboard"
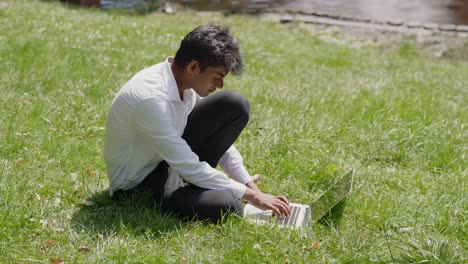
(291, 220)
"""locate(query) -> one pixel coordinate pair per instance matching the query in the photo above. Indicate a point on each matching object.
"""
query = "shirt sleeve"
(233, 164)
(153, 121)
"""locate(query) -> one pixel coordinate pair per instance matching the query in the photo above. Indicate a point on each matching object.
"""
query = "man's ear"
(193, 67)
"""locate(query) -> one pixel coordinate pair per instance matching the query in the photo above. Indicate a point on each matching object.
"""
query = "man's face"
(206, 82)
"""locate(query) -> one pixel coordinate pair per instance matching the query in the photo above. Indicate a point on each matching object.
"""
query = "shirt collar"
(171, 84)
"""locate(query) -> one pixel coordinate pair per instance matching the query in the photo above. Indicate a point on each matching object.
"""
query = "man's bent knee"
(218, 204)
(236, 102)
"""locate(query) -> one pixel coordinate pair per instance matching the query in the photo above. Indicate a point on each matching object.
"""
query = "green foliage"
(318, 109)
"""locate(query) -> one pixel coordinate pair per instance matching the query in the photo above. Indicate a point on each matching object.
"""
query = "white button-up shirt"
(144, 127)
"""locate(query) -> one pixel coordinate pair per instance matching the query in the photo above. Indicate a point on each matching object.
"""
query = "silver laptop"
(302, 214)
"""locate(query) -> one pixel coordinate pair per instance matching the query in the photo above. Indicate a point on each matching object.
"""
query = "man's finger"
(282, 198)
(276, 211)
(284, 208)
(287, 211)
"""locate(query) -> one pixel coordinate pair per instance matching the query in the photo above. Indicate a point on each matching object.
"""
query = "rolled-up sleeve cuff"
(238, 189)
(241, 175)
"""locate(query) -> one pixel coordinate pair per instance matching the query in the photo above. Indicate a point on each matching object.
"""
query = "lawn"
(319, 108)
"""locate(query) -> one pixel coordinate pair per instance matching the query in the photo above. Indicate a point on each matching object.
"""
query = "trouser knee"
(216, 204)
(232, 207)
(236, 103)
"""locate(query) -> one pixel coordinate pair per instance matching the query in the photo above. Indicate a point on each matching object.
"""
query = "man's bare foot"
(256, 177)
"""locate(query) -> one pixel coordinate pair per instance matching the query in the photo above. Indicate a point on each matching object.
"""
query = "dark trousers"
(212, 127)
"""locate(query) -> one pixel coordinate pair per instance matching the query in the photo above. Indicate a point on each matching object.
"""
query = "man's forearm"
(252, 186)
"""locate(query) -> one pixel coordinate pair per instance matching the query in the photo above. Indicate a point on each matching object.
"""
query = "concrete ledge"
(396, 26)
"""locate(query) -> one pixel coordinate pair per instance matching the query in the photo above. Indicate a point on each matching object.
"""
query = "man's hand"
(278, 204)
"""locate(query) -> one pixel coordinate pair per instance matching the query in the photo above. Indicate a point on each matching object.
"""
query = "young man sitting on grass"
(166, 136)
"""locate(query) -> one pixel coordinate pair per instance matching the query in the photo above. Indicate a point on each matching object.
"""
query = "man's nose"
(220, 84)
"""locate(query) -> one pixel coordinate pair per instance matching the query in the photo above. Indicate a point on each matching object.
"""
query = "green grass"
(318, 109)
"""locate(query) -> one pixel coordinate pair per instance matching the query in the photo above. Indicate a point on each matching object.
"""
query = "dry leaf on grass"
(56, 260)
(90, 171)
(190, 236)
(43, 248)
(314, 245)
(84, 248)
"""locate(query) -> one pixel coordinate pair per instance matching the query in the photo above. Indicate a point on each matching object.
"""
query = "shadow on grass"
(135, 216)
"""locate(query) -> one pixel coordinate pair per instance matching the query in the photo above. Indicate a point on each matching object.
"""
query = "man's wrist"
(250, 194)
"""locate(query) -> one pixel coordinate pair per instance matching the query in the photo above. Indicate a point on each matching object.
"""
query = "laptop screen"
(332, 196)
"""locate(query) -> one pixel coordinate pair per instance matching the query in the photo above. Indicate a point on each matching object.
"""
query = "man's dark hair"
(211, 46)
